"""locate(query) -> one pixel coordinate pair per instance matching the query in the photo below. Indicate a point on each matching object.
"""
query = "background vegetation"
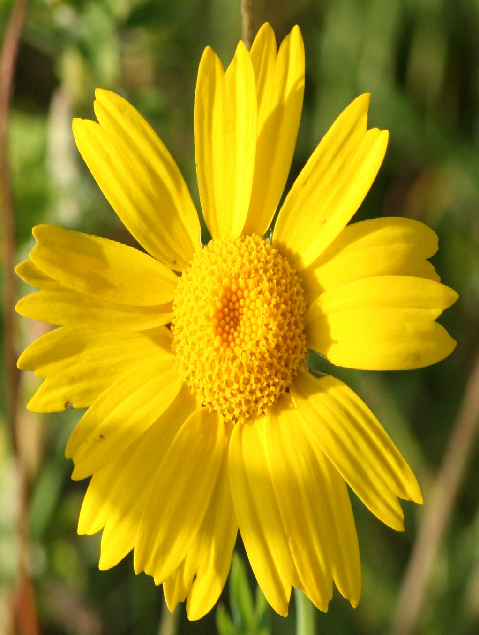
(420, 61)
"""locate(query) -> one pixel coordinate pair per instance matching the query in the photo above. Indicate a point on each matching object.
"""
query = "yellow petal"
(178, 585)
(301, 499)
(63, 348)
(134, 473)
(377, 247)
(180, 495)
(315, 507)
(381, 323)
(357, 445)
(225, 140)
(209, 557)
(79, 365)
(69, 308)
(31, 274)
(138, 176)
(344, 544)
(213, 546)
(264, 53)
(258, 515)
(121, 414)
(101, 268)
(95, 508)
(279, 88)
(331, 186)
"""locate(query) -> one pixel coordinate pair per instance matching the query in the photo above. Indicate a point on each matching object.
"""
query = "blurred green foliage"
(248, 617)
(420, 61)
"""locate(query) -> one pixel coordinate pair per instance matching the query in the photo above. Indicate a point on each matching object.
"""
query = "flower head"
(191, 359)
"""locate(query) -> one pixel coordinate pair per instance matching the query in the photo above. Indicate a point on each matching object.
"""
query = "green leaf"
(224, 623)
(242, 606)
(261, 612)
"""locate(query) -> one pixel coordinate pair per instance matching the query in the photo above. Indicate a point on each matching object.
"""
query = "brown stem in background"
(25, 607)
(7, 65)
(247, 22)
(438, 510)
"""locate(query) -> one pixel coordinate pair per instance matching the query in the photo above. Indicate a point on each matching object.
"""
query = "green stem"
(305, 614)
(169, 622)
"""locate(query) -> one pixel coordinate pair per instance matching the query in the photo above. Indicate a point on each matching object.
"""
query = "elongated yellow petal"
(121, 414)
(64, 348)
(264, 53)
(213, 546)
(315, 507)
(345, 561)
(180, 495)
(258, 515)
(31, 274)
(69, 308)
(101, 268)
(225, 140)
(279, 88)
(301, 500)
(178, 585)
(135, 471)
(376, 247)
(331, 186)
(357, 445)
(138, 176)
(381, 323)
(79, 365)
(209, 557)
(95, 507)
(104, 500)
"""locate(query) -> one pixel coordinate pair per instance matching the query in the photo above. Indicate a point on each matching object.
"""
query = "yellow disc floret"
(238, 329)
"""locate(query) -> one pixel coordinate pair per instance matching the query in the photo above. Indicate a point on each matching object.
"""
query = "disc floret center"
(238, 327)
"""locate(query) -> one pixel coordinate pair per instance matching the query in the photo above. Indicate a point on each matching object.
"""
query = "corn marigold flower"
(202, 415)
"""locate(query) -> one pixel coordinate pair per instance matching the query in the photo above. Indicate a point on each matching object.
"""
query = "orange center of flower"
(238, 329)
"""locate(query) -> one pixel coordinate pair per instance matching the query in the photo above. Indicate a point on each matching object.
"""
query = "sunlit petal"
(101, 268)
(138, 176)
(225, 140)
(121, 414)
(331, 186)
(258, 515)
(381, 323)
(376, 247)
(76, 310)
(168, 526)
(357, 445)
(279, 88)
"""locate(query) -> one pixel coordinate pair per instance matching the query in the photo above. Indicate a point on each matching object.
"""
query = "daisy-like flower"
(191, 359)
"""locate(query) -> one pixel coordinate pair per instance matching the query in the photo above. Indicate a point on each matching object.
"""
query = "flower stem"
(8, 56)
(169, 622)
(24, 605)
(247, 22)
(305, 614)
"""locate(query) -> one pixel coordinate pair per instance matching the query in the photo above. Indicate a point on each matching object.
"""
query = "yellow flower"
(202, 415)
